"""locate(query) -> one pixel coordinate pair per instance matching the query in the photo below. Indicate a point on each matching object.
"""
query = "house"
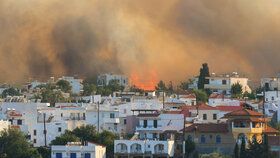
(271, 83)
(223, 83)
(104, 79)
(247, 123)
(154, 137)
(78, 150)
(189, 99)
(210, 137)
(221, 99)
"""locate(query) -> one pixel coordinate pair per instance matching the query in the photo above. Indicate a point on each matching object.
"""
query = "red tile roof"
(270, 130)
(217, 96)
(201, 106)
(228, 108)
(243, 112)
(188, 96)
(208, 128)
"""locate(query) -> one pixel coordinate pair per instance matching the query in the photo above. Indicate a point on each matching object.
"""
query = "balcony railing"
(148, 127)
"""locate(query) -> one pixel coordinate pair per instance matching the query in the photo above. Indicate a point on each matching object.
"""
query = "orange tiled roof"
(217, 96)
(243, 112)
(188, 96)
(228, 108)
(269, 129)
(184, 111)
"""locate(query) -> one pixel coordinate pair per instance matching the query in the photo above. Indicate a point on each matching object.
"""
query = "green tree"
(10, 92)
(259, 149)
(51, 96)
(214, 155)
(89, 89)
(64, 86)
(189, 147)
(64, 138)
(201, 96)
(250, 96)
(236, 151)
(44, 152)
(107, 138)
(13, 144)
(236, 90)
(134, 88)
(114, 86)
(85, 133)
(204, 72)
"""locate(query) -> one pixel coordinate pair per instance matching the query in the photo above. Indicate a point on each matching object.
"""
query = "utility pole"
(98, 116)
(163, 99)
(184, 138)
(45, 131)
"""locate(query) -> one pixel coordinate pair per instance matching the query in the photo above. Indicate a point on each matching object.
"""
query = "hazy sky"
(147, 40)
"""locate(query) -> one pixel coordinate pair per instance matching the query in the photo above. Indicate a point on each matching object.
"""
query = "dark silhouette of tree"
(189, 147)
(10, 92)
(13, 144)
(243, 153)
(236, 90)
(204, 72)
(64, 86)
(201, 96)
(161, 86)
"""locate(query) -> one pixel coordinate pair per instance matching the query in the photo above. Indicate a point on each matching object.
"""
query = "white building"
(77, 150)
(216, 99)
(271, 83)
(223, 83)
(104, 79)
(154, 136)
(76, 84)
(188, 99)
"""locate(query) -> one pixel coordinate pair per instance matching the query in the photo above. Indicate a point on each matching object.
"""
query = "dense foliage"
(204, 72)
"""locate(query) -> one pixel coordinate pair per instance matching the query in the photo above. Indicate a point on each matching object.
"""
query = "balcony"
(148, 128)
(112, 120)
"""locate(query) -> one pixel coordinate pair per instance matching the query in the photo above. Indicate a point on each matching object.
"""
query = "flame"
(144, 82)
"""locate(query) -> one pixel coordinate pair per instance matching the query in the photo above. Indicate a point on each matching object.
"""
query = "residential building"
(104, 79)
(222, 83)
(78, 150)
(216, 99)
(189, 99)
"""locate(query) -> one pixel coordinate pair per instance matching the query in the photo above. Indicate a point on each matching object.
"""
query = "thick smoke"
(147, 40)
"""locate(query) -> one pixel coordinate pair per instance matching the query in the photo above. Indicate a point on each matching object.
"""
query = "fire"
(144, 82)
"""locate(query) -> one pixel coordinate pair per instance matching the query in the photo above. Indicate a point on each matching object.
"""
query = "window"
(112, 115)
(224, 82)
(73, 155)
(214, 116)
(84, 116)
(58, 155)
(272, 98)
(61, 114)
(204, 116)
(59, 129)
(34, 132)
(155, 123)
(206, 81)
(145, 123)
(202, 139)
(19, 122)
(11, 121)
(154, 135)
(124, 111)
(87, 155)
(124, 121)
(218, 139)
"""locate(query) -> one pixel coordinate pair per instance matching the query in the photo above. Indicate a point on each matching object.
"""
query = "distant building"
(76, 84)
(104, 79)
(271, 83)
(223, 83)
(77, 150)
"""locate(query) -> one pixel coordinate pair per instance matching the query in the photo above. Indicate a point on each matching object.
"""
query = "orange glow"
(144, 82)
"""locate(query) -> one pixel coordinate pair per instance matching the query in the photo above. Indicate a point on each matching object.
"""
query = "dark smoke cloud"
(147, 39)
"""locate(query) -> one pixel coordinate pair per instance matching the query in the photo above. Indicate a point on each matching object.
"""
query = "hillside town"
(209, 115)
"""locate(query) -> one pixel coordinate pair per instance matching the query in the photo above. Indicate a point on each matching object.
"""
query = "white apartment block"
(154, 136)
(223, 83)
(77, 150)
(104, 79)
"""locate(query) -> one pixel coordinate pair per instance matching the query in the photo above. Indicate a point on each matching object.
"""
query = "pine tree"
(204, 72)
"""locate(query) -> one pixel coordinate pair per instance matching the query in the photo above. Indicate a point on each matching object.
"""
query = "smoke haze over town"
(147, 40)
